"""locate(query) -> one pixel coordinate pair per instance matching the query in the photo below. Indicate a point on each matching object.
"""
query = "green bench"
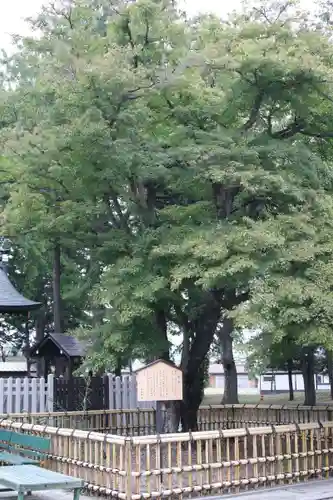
(22, 449)
(21, 453)
(29, 478)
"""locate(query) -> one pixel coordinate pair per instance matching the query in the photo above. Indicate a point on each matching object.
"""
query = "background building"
(270, 382)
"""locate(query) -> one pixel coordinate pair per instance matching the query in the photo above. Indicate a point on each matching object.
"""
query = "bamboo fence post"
(128, 468)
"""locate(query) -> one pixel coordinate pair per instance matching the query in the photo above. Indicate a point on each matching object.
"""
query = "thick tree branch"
(123, 220)
(205, 326)
(146, 37)
(128, 31)
(255, 110)
(129, 95)
(62, 13)
(320, 135)
(299, 127)
(223, 198)
(292, 129)
(233, 299)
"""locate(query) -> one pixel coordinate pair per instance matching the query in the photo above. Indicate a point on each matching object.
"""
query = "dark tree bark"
(56, 288)
(161, 322)
(329, 362)
(308, 376)
(117, 370)
(26, 347)
(193, 394)
(194, 373)
(40, 324)
(199, 332)
(230, 395)
(290, 379)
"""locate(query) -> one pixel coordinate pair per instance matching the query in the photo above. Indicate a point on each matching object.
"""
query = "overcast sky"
(13, 13)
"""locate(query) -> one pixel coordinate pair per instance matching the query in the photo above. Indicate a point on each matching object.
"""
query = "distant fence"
(35, 395)
(102, 393)
(123, 394)
(77, 393)
(183, 465)
(142, 421)
(139, 422)
(250, 415)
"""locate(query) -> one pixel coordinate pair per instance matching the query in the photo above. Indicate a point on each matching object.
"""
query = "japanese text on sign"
(160, 382)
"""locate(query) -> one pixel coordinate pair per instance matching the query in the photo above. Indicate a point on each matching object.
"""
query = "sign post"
(160, 420)
(160, 381)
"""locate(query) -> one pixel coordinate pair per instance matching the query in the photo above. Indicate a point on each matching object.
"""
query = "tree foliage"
(183, 168)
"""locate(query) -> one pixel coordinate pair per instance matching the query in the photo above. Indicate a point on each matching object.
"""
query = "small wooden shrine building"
(60, 354)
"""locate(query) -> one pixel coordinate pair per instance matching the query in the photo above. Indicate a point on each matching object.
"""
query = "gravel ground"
(50, 495)
(316, 490)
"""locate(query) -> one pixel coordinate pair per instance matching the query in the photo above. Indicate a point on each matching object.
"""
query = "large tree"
(177, 163)
(253, 174)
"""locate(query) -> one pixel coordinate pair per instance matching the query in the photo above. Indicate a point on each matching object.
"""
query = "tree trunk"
(195, 370)
(172, 416)
(117, 370)
(56, 288)
(40, 330)
(290, 380)
(162, 326)
(230, 395)
(308, 376)
(193, 394)
(329, 361)
(26, 347)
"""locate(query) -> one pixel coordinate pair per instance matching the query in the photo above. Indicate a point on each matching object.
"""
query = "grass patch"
(323, 398)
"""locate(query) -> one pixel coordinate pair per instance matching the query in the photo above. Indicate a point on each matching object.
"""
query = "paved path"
(316, 490)
(50, 495)
(313, 490)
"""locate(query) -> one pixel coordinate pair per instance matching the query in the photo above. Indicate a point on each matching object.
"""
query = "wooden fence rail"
(141, 421)
(26, 394)
(124, 422)
(247, 415)
(189, 464)
(37, 395)
(99, 459)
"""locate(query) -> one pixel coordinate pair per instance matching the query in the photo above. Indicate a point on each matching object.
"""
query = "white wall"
(242, 379)
(244, 385)
(323, 383)
(215, 391)
(280, 382)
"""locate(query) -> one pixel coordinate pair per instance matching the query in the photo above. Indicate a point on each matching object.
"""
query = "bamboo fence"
(254, 415)
(101, 460)
(141, 422)
(189, 464)
(125, 422)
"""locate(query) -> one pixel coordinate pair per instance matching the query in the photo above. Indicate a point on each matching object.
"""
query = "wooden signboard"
(159, 381)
